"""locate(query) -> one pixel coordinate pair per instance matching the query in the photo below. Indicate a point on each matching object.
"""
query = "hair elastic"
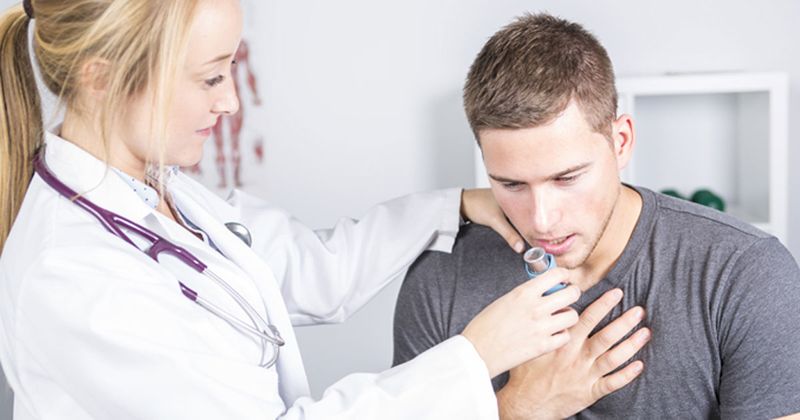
(26, 4)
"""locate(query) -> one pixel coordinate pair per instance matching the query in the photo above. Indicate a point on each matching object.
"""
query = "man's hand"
(570, 379)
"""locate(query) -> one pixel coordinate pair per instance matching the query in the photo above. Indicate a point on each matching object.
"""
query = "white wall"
(362, 103)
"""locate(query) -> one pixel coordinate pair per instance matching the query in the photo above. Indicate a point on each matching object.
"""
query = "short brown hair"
(529, 71)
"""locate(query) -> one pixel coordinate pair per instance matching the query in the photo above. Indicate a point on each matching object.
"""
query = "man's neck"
(614, 240)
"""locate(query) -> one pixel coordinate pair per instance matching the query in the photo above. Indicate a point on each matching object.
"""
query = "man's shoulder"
(481, 239)
(482, 252)
(475, 243)
(480, 259)
(705, 237)
(701, 224)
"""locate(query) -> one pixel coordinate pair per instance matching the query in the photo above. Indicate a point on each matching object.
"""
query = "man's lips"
(556, 246)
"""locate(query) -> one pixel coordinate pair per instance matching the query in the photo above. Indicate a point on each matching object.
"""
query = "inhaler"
(537, 261)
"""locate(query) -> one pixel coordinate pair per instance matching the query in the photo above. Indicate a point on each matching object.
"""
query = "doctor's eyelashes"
(215, 81)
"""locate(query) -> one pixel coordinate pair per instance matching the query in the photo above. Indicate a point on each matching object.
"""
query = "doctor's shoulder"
(50, 232)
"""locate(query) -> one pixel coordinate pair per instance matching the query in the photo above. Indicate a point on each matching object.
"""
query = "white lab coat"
(93, 328)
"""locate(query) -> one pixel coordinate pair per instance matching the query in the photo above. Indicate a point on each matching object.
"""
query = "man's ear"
(623, 137)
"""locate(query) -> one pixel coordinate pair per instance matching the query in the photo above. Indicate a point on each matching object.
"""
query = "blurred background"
(353, 102)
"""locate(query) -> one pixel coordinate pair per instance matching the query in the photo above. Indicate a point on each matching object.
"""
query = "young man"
(720, 297)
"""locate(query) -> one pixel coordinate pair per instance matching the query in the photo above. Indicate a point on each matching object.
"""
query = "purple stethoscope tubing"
(114, 223)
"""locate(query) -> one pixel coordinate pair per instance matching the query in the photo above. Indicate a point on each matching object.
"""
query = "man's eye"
(567, 179)
(512, 186)
(215, 81)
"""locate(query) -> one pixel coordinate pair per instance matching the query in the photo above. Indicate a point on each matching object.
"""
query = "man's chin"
(571, 260)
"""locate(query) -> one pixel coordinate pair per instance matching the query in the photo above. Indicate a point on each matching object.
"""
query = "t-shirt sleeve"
(759, 334)
(419, 321)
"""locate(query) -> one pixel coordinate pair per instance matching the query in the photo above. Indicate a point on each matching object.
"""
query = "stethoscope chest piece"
(241, 232)
(124, 228)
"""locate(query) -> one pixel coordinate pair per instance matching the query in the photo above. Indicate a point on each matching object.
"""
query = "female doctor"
(124, 290)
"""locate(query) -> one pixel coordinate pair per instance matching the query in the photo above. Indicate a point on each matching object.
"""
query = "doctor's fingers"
(480, 206)
(560, 299)
(537, 287)
(554, 342)
(504, 229)
(560, 321)
(612, 333)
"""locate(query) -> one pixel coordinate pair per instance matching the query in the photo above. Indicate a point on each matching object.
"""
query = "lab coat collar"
(93, 178)
(210, 213)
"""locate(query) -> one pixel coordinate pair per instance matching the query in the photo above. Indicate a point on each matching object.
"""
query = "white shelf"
(727, 132)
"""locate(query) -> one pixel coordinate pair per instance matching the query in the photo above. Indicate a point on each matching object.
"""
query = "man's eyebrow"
(560, 174)
(502, 179)
(568, 171)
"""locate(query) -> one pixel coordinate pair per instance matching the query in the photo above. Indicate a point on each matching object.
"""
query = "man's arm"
(759, 334)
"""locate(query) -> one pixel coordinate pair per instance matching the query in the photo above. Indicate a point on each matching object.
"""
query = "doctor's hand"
(523, 324)
(570, 379)
(479, 206)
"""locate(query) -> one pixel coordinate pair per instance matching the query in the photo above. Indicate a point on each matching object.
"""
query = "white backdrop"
(361, 102)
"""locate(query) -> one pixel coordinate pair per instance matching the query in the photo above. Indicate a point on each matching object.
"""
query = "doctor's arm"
(118, 340)
(110, 333)
(326, 275)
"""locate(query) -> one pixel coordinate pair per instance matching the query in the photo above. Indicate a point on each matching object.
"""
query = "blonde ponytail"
(144, 42)
(20, 116)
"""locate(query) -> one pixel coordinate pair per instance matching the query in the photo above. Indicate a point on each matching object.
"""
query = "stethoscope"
(114, 223)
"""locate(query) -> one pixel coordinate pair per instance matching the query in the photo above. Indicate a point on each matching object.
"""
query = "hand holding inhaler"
(526, 322)
(537, 262)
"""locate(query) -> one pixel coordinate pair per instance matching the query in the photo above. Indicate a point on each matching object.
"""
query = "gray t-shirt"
(722, 301)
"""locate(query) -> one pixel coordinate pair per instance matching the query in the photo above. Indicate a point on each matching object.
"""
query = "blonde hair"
(143, 42)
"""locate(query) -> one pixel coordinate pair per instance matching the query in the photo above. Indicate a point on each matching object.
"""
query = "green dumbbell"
(708, 199)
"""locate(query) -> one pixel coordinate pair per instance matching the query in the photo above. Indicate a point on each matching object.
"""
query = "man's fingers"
(625, 350)
(604, 339)
(598, 310)
(615, 382)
